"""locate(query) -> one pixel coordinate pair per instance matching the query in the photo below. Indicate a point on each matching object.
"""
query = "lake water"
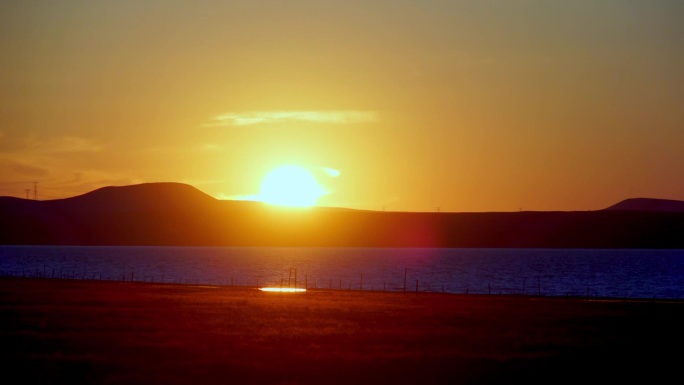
(551, 272)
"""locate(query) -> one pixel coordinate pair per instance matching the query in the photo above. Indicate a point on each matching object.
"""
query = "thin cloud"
(331, 172)
(55, 145)
(72, 144)
(222, 196)
(270, 117)
(10, 167)
(195, 148)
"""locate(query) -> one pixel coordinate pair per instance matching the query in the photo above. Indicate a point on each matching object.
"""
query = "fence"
(532, 287)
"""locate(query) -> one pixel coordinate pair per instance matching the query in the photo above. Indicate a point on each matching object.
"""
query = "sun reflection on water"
(283, 289)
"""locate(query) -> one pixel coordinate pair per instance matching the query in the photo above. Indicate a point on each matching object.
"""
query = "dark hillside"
(141, 197)
(649, 204)
(178, 214)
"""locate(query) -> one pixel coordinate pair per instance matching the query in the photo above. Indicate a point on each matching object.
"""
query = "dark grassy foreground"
(78, 332)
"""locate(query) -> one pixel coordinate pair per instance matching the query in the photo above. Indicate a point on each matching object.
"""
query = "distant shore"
(104, 332)
(175, 214)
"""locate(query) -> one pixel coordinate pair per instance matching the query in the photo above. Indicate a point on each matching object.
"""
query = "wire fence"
(293, 279)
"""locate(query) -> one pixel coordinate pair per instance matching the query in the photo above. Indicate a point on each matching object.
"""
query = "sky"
(392, 105)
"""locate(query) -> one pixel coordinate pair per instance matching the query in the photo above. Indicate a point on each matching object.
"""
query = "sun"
(292, 186)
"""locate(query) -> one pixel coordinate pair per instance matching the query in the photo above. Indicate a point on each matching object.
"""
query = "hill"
(180, 215)
(648, 204)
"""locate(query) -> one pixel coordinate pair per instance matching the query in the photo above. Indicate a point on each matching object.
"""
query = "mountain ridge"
(648, 204)
(161, 194)
(157, 196)
(175, 214)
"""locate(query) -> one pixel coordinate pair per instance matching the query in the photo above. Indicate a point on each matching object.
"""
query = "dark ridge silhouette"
(649, 204)
(176, 214)
(146, 196)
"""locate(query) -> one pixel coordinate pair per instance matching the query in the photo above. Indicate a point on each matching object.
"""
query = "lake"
(624, 273)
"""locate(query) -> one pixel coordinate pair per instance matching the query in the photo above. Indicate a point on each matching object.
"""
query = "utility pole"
(35, 191)
(27, 192)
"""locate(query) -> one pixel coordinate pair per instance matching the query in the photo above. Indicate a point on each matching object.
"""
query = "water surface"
(552, 272)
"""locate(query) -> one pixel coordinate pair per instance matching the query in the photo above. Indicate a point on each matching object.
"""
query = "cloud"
(14, 169)
(331, 172)
(189, 149)
(265, 117)
(36, 145)
(70, 144)
(252, 197)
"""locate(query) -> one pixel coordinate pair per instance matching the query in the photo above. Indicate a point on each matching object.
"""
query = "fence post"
(538, 287)
(405, 270)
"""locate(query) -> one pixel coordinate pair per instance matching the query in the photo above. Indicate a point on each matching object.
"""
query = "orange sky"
(462, 105)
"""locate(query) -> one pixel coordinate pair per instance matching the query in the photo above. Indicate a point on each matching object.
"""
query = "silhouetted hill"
(649, 204)
(147, 196)
(176, 214)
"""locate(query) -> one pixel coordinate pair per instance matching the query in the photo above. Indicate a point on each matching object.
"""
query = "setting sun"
(292, 186)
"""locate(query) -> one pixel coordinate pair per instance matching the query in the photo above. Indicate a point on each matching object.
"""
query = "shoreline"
(361, 291)
(94, 332)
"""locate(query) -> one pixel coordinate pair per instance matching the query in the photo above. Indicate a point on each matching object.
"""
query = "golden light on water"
(283, 289)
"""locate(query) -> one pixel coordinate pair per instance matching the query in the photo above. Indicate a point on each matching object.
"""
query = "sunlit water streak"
(551, 272)
(283, 289)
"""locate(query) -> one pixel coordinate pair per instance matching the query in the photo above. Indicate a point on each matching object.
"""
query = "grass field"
(99, 332)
